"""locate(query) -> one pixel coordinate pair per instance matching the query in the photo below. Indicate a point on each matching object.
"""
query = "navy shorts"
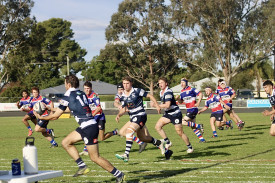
(101, 124)
(31, 115)
(192, 114)
(229, 105)
(218, 116)
(42, 123)
(89, 134)
(140, 120)
(175, 119)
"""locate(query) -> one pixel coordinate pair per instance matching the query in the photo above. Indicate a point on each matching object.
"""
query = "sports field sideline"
(235, 156)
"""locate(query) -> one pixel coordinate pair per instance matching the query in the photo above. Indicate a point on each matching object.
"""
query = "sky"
(89, 19)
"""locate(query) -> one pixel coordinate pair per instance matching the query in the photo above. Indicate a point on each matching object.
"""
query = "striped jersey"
(134, 102)
(213, 102)
(94, 102)
(226, 94)
(272, 98)
(118, 97)
(39, 98)
(169, 96)
(25, 102)
(188, 95)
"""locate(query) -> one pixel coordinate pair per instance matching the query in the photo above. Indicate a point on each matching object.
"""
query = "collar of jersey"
(164, 90)
(123, 94)
(187, 87)
(70, 90)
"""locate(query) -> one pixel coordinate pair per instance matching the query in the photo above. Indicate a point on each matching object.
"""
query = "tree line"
(146, 39)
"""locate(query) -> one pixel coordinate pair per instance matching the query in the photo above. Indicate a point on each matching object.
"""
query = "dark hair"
(220, 80)
(268, 82)
(73, 80)
(26, 91)
(120, 85)
(88, 84)
(35, 88)
(127, 78)
(163, 79)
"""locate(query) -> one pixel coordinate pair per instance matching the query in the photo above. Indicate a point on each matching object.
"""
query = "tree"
(223, 35)
(15, 27)
(137, 42)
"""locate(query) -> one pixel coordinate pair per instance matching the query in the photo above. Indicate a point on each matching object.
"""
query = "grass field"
(235, 156)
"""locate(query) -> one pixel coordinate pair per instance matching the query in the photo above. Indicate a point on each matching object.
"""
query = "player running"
(122, 131)
(214, 102)
(132, 99)
(97, 113)
(23, 105)
(172, 115)
(77, 102)
(270, 91)
(188, 96)
(227, 94)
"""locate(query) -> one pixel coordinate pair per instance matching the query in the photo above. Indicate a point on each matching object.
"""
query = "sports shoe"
(82, 171)
(162, 146)
(52, 133)
(142, 147)
(117, 132)
(201, 129)
(214, 136)
(123, 157)
(189, 150)
(240, 125)
(168, 154)
(30, 133)
(167, 146)
(202, 141)
(121, 178)
(54, 145)
(84, 153)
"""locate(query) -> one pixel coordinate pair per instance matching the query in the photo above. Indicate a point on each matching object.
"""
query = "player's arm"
(18, 104)
(232, 96)
(268, 113)
(98, 108)
(203, 109)
(177, 97)
(117, 104)
(120, 113)
(52, 116)
(166, 105)
(156, 105)
(199, 100)
(224, 104)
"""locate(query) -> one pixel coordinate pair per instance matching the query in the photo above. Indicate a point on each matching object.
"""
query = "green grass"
(235, 156)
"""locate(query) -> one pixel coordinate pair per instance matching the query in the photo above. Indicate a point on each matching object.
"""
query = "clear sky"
(89, 19)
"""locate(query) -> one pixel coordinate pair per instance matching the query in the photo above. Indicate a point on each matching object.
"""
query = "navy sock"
(80, 163)
(116, 172)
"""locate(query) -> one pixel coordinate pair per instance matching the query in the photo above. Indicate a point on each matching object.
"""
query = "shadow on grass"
(168, 173)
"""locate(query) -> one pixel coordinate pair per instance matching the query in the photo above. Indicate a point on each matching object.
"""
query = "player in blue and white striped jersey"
(132, 99)
(270, 91)
(172, 114)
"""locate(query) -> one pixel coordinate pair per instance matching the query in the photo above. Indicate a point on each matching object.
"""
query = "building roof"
(99, 87)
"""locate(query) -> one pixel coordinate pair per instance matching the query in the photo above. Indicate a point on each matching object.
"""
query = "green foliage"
(12, 93)
(210, 84)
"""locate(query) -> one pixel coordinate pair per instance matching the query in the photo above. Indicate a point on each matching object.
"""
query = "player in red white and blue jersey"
(132, 99)
(23, 105)
(270, 91)
(227, 94)
(214, 102)
(172, 114)
(188, 95)
(97, 113)
(76, 101)
(117, 101)
(42, 125)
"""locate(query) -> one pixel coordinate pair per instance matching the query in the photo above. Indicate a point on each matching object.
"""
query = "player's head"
(127, 83)
(208, 90)
(88, 87)
(162, 83)
(222, 84)
(268, 86)
(35, 91)
(183, 82)
(71, 81)
(219, 81)
(25, 93)
(120, 88)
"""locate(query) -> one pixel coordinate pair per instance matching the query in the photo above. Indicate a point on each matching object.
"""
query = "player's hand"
(177, 97)
(227, 107)
(152, 104)
(158, 109)
(36, 114)
(266, 113)
(117, 118)
(199, 112)
(197, 105)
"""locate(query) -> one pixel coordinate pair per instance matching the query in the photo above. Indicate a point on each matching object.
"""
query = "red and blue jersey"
(39, 98)
(94, 102)
(25, 102)
(213, 102)
(118, 97)
(226, 94)
(218, 89)
(188, 95)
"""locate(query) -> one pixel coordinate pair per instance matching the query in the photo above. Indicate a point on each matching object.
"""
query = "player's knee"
(158, 127)
(65, 143)
(272, 133)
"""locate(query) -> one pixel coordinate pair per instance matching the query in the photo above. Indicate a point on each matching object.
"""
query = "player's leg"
(122, 132)
(159, 128)
(105, 164)
(47, 133)
(213, 127)
(183, 136)
(102, 135)
(272, 129)
(240, 123)
(26, 123)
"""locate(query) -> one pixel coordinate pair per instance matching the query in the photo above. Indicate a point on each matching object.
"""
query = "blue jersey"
(25, 102)
(94, 102)
(169, 96)
(213, 101)
(39, 98)
(134, 102)
(188, 95)
(77, 102)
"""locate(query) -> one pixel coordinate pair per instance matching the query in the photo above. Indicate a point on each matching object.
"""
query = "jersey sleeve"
(117, 98)
(142, 92)
(46, 101)
(168, 96)
(96, 100)
(196, 91)
(64, 103)
(206, 104)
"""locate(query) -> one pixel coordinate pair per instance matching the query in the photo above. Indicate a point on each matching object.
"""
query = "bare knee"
(65, 143)
(158, 127)
(272, 133)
